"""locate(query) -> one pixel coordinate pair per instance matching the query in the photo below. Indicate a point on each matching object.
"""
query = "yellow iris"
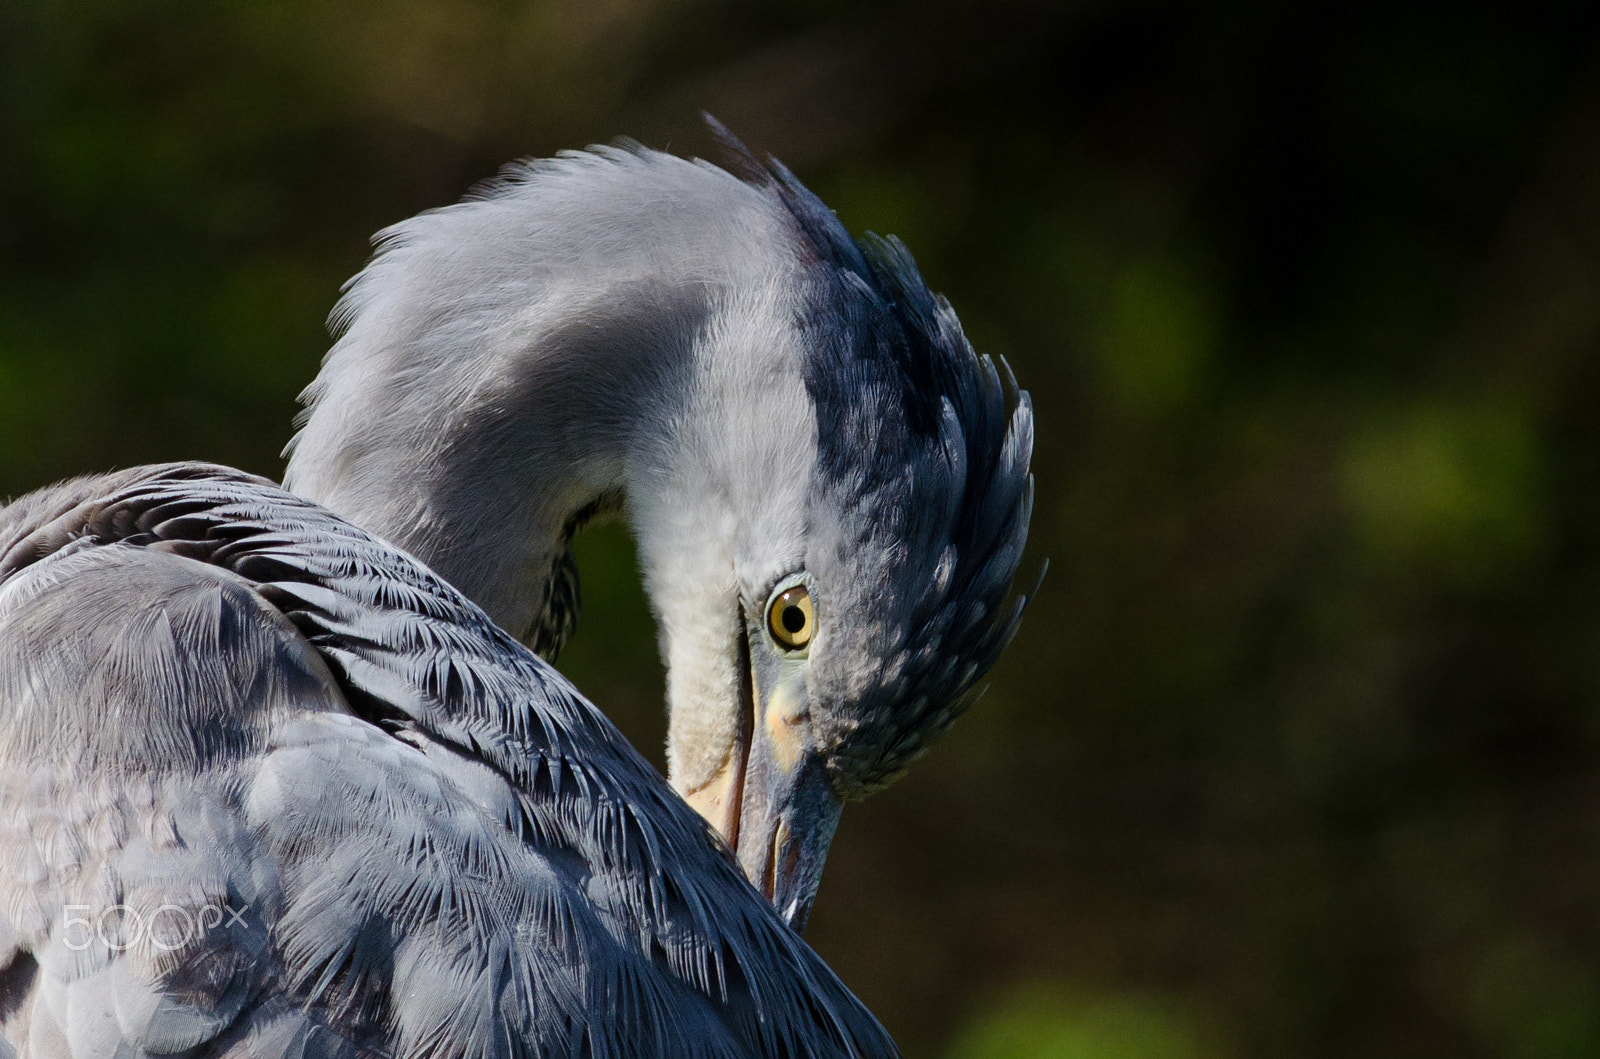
(791, 619)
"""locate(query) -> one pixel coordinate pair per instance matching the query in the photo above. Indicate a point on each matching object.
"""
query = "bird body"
(271, 788)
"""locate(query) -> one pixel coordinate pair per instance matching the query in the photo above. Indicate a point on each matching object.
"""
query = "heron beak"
(772, 801)
(785, 827)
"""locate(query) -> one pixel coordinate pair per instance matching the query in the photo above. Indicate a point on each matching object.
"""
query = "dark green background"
(1298, 754)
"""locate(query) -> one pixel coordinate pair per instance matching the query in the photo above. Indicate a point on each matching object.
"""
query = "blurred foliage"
(1042, 1021)
(1299, 751)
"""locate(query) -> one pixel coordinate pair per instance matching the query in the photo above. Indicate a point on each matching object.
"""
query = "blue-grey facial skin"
(788, 810)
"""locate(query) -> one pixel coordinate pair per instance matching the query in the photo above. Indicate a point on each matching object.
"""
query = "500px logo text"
(167, 927)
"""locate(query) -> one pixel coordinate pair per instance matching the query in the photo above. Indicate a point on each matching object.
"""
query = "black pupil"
(794, 619)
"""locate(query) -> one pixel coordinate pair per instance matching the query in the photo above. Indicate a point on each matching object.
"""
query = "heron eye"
(790, 618)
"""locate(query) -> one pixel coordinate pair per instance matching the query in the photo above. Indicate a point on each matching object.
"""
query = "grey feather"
(217, 695)
(772, 397)
(923, 470)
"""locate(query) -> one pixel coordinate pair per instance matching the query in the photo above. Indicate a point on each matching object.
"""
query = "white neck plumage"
(517, 363)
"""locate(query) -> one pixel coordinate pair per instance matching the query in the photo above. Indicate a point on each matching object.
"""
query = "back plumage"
(270, 788)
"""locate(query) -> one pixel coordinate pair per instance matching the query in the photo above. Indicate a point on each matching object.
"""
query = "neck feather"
(515, 364)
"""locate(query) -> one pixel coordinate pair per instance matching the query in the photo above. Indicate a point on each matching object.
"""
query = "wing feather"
(269, 788)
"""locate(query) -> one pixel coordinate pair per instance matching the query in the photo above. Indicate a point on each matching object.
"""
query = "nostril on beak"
(772, 876)
(791, 862)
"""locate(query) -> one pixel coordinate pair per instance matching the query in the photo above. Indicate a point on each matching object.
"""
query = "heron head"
(831, 559)
(828, 487)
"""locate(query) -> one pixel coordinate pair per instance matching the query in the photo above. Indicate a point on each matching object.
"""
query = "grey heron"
(269, 786)
(796, 426)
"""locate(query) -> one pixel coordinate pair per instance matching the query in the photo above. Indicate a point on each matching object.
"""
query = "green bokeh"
(1042, 1021)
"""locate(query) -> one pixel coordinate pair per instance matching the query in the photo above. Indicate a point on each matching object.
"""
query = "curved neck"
(483, 464)
(512, 365)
